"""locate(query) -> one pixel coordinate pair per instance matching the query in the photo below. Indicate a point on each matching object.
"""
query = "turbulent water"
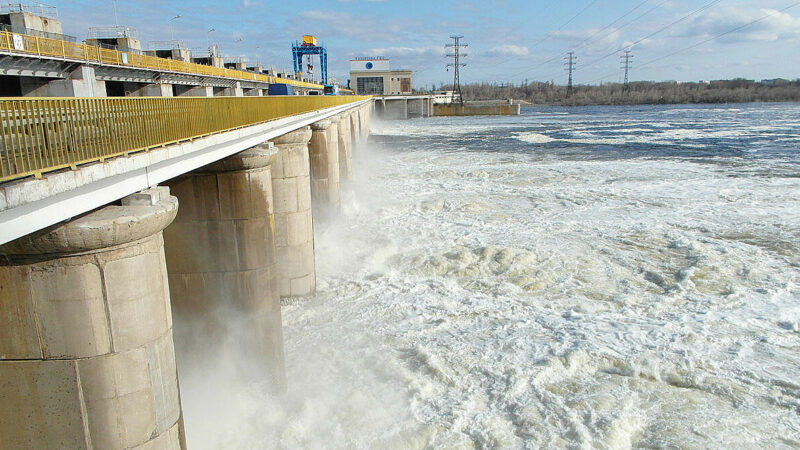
(584, 278)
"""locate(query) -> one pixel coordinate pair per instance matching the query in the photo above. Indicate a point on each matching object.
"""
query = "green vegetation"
(641, 92)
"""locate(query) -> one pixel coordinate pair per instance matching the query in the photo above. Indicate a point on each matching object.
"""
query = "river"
(601, 277)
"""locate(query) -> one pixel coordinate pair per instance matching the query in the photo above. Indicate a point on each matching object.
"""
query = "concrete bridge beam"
(222, 264)
(86, 332)
(294, 230)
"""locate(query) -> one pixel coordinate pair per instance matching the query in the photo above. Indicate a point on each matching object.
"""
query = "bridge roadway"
(97, 256)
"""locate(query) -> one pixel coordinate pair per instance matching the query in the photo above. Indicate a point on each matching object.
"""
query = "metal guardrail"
(38, 135)
(20, 43)
(23, 30)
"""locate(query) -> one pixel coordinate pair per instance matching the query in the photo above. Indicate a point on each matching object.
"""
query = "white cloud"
(509, 50)
(407, 51)
(333, 23)
(779, 25)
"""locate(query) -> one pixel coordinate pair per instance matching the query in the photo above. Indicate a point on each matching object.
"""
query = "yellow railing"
(22, 43)
(44, 134)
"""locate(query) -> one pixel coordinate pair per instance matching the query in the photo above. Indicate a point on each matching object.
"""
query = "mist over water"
(585, 277)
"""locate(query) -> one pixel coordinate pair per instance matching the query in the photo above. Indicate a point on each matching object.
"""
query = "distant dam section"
(414, 106)
(478, 108)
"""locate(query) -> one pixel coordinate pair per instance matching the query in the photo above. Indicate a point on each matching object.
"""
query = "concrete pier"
(294, 232)
(324, 158)
(345, 146)
(355, 129)
(222, 263)
(86, 353)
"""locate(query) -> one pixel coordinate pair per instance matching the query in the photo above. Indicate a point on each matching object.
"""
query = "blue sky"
(509, 40)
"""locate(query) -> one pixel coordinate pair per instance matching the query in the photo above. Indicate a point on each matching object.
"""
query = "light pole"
(171, 29)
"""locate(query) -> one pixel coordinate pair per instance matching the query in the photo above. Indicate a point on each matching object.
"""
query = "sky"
(509, 40)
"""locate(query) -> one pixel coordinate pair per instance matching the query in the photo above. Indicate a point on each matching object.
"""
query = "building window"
(405, 84)
(369, 85)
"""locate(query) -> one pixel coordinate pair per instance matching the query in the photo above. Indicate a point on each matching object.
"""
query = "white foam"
(489, 299)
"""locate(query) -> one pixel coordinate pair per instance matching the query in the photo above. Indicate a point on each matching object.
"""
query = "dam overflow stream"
(587, 277)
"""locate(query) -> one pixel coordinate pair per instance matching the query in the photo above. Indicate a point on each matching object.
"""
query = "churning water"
(587, 278)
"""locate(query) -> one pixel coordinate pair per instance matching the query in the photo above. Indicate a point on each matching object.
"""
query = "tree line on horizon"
(737, 90)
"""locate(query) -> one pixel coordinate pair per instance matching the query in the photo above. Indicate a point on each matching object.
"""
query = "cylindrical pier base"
(87, 359)
(324, 156)
(294, 230)
(221, 263)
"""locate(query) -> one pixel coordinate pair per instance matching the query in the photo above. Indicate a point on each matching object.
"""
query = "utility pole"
(456, 47)
(571, 59)
(626, 64)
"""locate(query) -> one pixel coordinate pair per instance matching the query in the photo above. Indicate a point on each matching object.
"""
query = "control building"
(372, 76)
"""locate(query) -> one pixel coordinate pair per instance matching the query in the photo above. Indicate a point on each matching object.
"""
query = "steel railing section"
(39, 135)
(54, 48)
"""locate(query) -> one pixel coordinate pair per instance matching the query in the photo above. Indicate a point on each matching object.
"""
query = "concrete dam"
(96, 258)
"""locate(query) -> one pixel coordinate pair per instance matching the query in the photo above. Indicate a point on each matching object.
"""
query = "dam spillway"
(86, 348)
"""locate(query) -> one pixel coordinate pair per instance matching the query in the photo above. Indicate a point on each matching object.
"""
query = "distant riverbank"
(642, 93)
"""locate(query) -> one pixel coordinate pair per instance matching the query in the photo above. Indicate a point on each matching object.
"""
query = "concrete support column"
(294, 232)
(345, 147)
(221, 263)
(234, 91)
(156, 90)
(87, 359)
(368, 123)
(355, 129)
(198, 91)
(324, 158)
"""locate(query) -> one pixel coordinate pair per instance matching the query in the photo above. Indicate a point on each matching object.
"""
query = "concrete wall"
(86, 333)
(476, 110)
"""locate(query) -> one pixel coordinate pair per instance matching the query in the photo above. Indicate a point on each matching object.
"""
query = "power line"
(557, 57)
(671, 24)
(698, 10)
(732, 30)
(456, 65)
(547, 36)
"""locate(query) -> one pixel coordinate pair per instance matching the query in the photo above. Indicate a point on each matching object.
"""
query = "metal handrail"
(20, 43)
(39, 135)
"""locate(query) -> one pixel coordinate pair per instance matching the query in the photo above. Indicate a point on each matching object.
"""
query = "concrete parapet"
(87, 358)
(324, 158)
(294, 231)
(222, 263)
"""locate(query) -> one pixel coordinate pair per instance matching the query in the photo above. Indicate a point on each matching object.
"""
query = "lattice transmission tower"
(456, 54)
(571, 60)
(626, 65)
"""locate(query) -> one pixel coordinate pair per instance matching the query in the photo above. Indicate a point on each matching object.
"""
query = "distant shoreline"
(641, 93)
(526, 104)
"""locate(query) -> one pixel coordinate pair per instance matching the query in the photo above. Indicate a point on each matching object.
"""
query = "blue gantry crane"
(309, 47)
